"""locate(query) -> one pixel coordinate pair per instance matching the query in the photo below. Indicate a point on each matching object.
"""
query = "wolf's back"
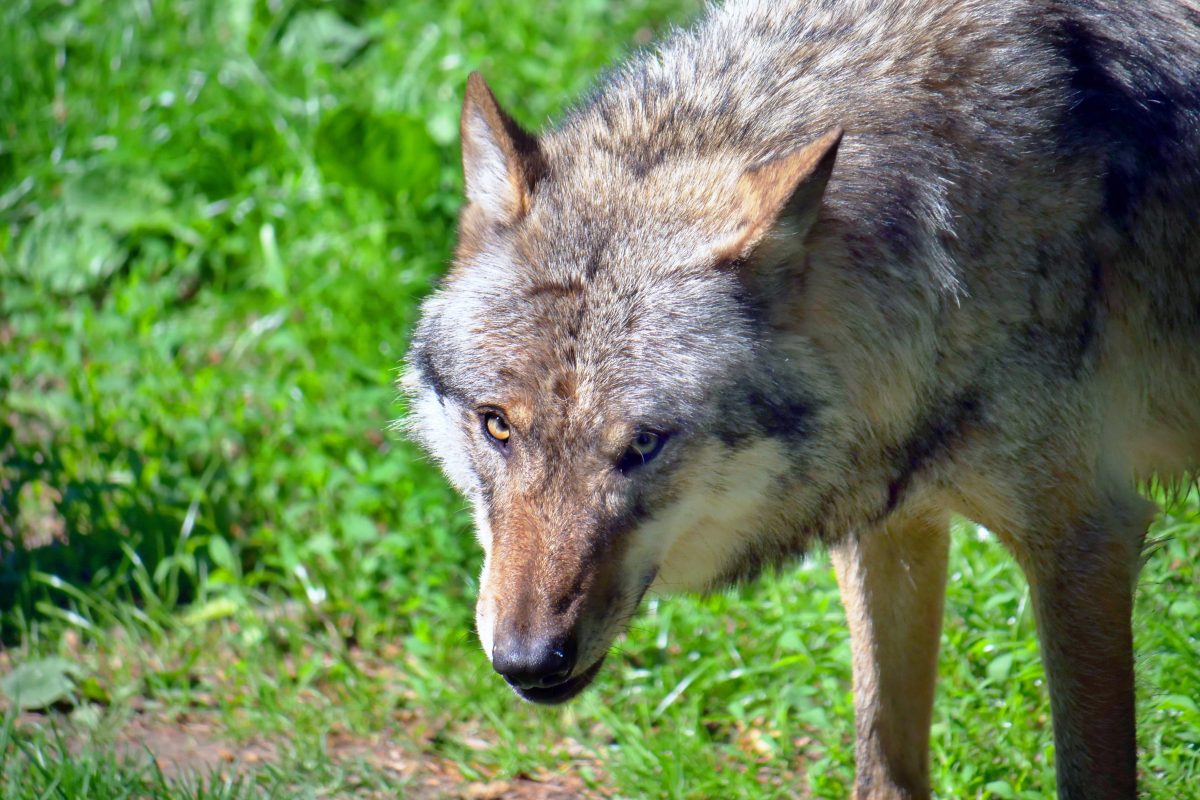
(1057, 125)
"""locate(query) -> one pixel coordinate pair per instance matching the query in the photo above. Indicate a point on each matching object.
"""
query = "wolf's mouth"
(553, 695)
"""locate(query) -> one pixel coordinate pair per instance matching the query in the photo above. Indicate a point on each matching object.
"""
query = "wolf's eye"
(496, 427)
(644, 447)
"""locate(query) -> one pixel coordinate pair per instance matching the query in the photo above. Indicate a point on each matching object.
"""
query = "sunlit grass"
(216, 220)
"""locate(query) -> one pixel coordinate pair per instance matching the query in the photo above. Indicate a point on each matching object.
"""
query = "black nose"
(534, 662)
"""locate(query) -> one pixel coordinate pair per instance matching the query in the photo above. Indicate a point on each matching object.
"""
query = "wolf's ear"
(501, 162)
(793, 183)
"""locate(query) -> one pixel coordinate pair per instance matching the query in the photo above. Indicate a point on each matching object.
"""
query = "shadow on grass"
(109, 535)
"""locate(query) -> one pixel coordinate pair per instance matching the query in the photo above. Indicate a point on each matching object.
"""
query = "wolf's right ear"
(501, 162)
(794, 182)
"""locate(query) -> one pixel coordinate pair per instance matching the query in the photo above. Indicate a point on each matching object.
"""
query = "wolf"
(829, 272)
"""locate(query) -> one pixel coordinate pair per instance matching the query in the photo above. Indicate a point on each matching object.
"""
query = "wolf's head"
(602, 374)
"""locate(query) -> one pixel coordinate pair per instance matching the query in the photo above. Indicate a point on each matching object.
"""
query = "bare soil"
(193, 744)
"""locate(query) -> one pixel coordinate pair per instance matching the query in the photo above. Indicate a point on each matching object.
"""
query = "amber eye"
(496, 427)
(644, 447)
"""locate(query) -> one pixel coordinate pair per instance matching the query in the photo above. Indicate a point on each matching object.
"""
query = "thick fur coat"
(834, 270)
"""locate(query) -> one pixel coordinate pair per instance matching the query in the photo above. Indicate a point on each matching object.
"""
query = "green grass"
(41, 765)
(216, 220)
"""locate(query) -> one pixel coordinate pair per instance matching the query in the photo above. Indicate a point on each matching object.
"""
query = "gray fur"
(997, 306)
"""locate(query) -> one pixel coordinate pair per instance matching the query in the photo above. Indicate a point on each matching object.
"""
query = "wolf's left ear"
(501, 162)
(793, 183)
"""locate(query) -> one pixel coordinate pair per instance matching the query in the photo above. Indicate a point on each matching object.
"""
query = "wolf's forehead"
(584, 328)
(608, 249)
(601, 332)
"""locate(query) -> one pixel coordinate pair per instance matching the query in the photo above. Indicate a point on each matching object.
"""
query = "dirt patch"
(180, 746)
(189, 745)
(527, 789)
(431, 776)
(193, 744)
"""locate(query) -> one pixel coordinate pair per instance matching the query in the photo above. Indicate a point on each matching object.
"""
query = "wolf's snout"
(534, 662)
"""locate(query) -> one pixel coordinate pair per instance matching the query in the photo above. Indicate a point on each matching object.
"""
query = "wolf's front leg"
(1082, 576)
(893, 582)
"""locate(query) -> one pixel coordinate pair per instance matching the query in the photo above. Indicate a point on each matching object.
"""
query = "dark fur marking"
(593, 265)
(900, 229)
(774, 416)
(436, 379)
(755, 305)
(933, 440)
(641, 163)
(575, 323)
(784, 417)
(1067, 339)
(1088, 318)
(596, 260)
(564, 387)
(1135, 120)
(554, 289)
